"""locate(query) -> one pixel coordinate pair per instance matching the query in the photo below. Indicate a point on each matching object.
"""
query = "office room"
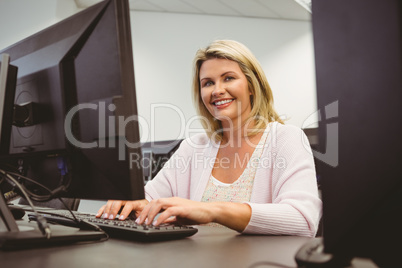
(165, 36)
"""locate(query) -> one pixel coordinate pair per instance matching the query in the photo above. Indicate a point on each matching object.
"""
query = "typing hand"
(112, 208)
(182, 210)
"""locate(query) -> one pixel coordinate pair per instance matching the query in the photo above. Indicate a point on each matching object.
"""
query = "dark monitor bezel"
(358, 53)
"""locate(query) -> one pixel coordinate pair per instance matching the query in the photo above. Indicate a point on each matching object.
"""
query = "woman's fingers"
(115, 208)
(110, 210)
(183, 210)
(150, 211)
(166, 215)
(130, 206)
(171, 220)
(100, 211)
(144, 216)
(104, 209)
(126, 211)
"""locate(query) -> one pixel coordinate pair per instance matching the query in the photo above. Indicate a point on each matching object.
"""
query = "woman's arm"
(233, 215)
(165, 184)
(292, 205)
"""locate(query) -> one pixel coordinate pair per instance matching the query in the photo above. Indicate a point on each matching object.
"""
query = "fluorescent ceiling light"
(305, 3)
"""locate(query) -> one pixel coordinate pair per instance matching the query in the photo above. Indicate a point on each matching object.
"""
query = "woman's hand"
(112, 208)
(184, 211)
(233, 215)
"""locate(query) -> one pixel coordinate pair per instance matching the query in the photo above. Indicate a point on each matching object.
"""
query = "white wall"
(164, 46)
(21, 18)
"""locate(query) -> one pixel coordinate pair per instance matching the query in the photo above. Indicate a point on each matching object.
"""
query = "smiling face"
(224, 91)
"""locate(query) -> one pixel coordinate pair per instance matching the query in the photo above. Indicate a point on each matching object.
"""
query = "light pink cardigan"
(284, 200)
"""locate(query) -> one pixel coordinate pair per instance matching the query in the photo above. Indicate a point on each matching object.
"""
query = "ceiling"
(272, 9)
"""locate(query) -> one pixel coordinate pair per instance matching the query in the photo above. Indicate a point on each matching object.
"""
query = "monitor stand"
(22, 234)
(312, 255)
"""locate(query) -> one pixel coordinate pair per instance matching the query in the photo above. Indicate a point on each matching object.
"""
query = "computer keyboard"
(127, 229)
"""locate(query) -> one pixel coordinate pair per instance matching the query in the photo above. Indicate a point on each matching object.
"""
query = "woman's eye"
(228, 78)
(207, 84)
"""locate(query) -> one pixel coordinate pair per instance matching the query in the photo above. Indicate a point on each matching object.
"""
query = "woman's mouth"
(222, 103)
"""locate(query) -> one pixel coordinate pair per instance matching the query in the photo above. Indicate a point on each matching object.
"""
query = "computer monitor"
(75, 106)
(8, 78)
(155, 155)
(358, 53)
(75, 124)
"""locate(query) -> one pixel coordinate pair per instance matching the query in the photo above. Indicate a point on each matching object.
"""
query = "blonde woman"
(248, 172)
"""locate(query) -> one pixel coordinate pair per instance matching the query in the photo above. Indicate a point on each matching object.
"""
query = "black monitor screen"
(74, 119)
(358, 51)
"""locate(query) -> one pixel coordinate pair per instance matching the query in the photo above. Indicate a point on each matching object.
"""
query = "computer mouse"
(17, 211)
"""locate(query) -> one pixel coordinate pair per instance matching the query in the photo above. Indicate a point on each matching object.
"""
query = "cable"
(42, 224)
(51, 196)
(40, 198)
(82, 224)
(64, 184)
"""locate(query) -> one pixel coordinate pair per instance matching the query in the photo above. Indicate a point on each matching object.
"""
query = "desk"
(210, 247)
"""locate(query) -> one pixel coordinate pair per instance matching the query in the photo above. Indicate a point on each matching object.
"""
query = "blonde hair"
(262, 102)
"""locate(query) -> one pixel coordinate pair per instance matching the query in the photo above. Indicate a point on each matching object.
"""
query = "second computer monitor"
(75, 120)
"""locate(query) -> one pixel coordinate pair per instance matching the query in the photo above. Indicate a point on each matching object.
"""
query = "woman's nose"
(218, 90)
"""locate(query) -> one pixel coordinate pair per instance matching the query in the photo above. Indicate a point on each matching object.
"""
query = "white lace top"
(240, 190)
